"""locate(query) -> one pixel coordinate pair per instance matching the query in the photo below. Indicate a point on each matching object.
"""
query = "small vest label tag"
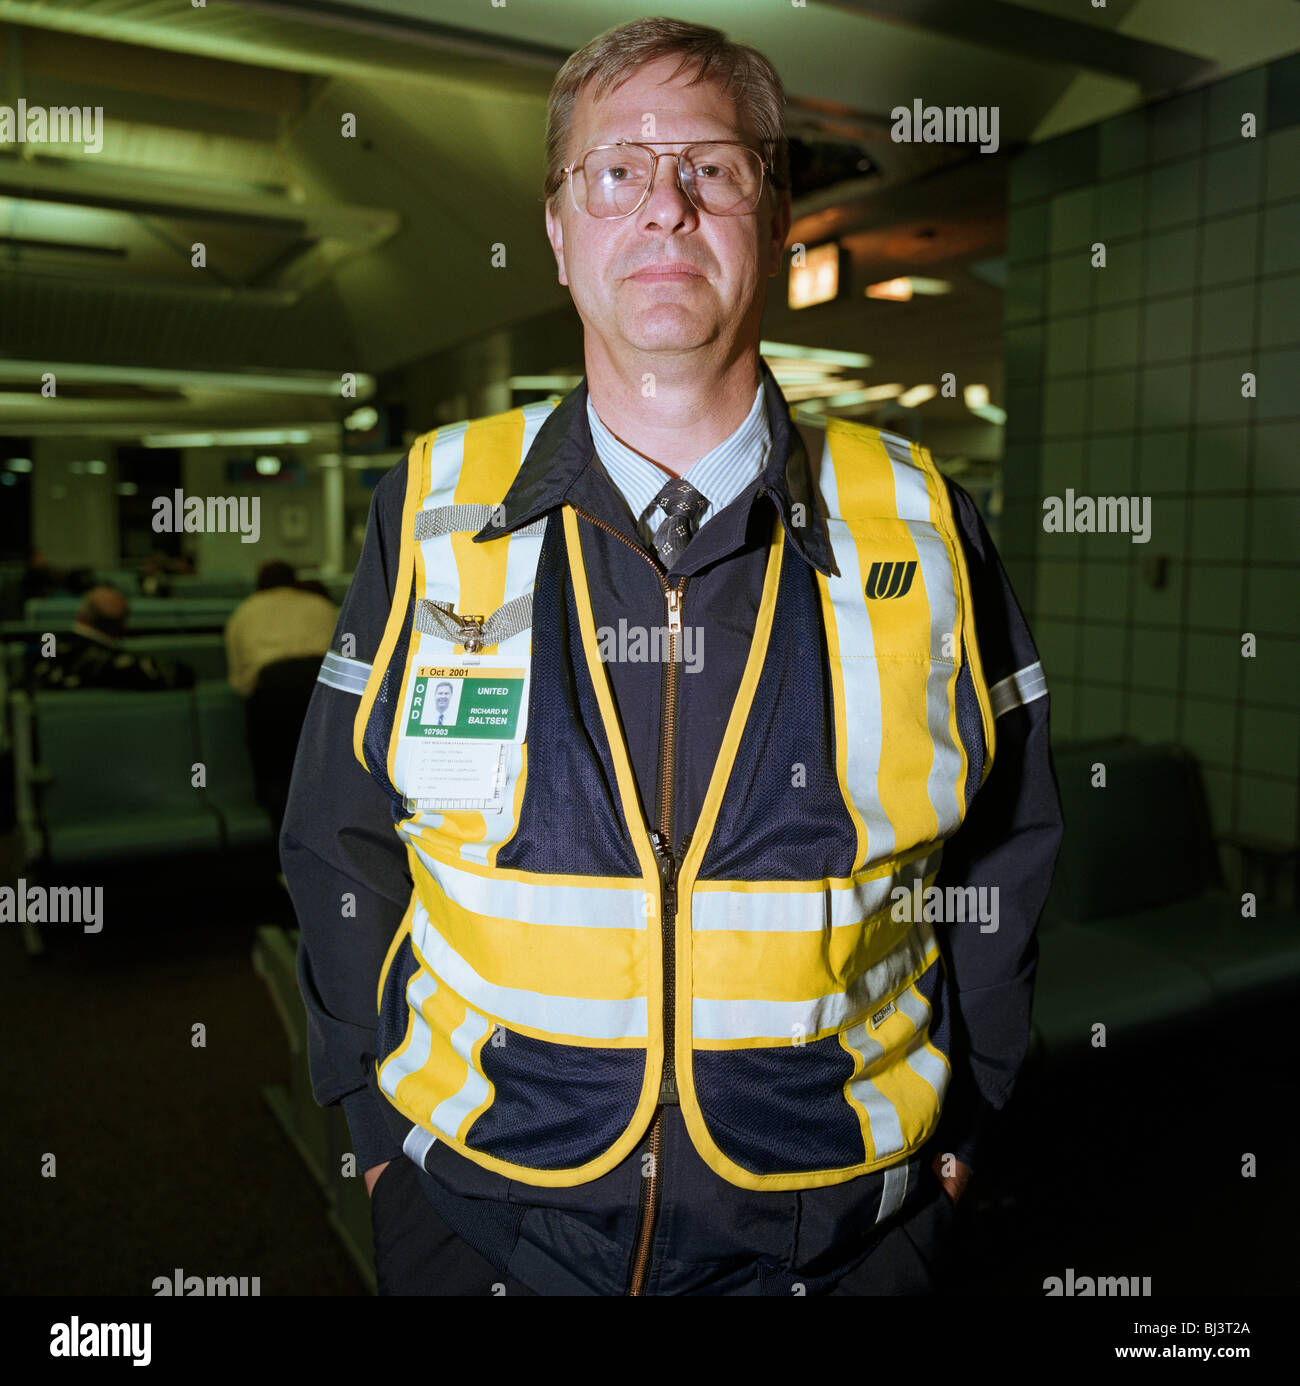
(882, 1014)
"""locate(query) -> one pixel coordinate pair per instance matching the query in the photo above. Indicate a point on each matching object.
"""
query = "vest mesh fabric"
(802, 1122)
(970, 726)
(570, 765)
(379, 727)
(797, 832)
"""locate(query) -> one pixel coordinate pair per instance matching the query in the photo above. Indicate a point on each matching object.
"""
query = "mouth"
(666, 274)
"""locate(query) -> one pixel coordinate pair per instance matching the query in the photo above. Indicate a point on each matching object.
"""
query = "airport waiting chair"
(113, 774)
(205, 653)
(224, 752)
(320, 1135)
(1139, 932)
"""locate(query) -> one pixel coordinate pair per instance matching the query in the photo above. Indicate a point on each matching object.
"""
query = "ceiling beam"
(1030, 34)
(406, 29)
(151, 194)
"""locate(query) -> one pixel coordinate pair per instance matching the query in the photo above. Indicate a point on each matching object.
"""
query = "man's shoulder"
(816, 428)
(450, 435)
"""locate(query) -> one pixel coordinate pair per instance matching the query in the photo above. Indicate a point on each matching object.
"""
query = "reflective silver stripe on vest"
(894, 1188)
(806, 911)
(861, 684)
(1024, 686)
(438, 618)
(752, 1018)
(537, 902)
(912, 490)
(882, 1116)
(920, 1060)
(418, 1143)
(347, 675)
(585, 1016)
(416, 1053)
(461, 519)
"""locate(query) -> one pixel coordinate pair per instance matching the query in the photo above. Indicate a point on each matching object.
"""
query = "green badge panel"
(466, 704)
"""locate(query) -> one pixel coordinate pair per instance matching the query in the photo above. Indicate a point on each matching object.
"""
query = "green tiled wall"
(1126, 380)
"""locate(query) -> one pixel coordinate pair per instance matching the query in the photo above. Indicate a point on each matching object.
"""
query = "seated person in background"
(39, 577)
(279, 621)
(92, 657)
(275, 641)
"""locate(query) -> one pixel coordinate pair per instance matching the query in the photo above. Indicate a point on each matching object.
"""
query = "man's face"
(442, 697)
(603, 261)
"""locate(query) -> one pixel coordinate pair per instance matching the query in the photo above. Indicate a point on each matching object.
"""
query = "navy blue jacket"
(338, 838)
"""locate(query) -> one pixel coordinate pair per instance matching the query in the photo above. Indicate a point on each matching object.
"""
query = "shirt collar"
(563, 447)
(719, 476)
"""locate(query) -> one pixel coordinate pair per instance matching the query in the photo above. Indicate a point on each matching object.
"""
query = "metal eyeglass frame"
(654, 175)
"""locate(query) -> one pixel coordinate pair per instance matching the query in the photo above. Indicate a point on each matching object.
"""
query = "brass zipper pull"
(674, 596)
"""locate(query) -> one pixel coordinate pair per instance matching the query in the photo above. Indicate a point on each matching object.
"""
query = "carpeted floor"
(166, 1154)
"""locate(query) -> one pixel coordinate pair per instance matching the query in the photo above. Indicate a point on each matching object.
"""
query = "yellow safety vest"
(521, 1004)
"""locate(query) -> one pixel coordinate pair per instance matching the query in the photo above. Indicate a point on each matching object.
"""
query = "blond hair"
(612, 57)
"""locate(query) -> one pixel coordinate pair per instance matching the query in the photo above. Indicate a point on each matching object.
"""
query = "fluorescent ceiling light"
(267, 466)
(976, 396)
(873, 394)
(991, 413)
(903, 288)
(822, 390)
(895, 290)
(918, 394)
(564, 383)
(316, 383)
(247, 437)
(855, 360)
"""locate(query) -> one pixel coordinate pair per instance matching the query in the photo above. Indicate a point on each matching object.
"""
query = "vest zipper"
(661, 839)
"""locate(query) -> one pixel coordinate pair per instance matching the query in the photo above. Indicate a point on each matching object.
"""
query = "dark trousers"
(417, 1253)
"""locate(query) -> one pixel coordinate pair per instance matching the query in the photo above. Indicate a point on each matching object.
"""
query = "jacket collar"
(562, 451)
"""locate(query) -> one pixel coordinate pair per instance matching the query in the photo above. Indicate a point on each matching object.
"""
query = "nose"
(667, 203)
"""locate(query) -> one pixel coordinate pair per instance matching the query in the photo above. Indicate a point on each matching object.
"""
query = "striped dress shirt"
(719, 476)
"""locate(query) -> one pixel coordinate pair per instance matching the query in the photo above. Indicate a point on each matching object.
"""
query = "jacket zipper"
(661, 839)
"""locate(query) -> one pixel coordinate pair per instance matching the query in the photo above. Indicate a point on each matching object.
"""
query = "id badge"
(460, 720)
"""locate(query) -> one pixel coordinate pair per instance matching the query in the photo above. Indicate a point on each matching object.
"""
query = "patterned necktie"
(683, 505)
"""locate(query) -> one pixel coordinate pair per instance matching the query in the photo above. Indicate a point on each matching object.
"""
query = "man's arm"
(345, 866)
(1008, 840)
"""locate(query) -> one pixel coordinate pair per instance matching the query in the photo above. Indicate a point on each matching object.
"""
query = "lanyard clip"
(471, 631)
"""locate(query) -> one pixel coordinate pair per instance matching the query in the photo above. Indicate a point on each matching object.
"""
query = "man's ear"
(780, 229)
(555, 234)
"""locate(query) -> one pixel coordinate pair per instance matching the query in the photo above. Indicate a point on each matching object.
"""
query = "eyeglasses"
(721, 177)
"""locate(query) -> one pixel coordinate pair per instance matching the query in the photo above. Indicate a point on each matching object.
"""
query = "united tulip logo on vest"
(890, 580)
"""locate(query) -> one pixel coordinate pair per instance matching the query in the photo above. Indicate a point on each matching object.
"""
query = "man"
(648, 1021)
(279, 621)
(442, 705)
(274, 641)
(93, 657)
